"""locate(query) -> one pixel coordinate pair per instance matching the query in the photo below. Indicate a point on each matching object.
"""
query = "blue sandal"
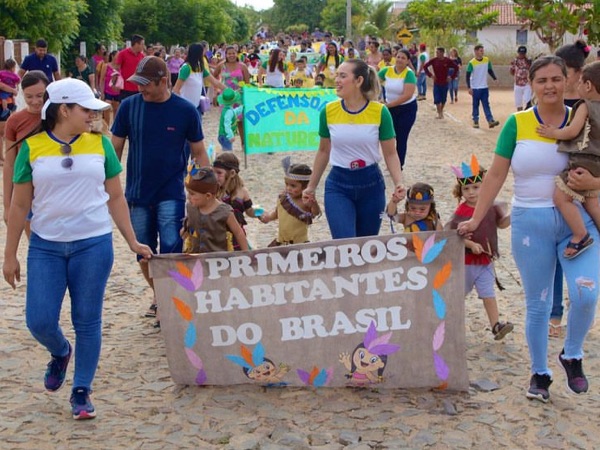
(579, 247)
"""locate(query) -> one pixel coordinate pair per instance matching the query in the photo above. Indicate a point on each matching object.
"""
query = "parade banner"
(283, 120)
(381, 311)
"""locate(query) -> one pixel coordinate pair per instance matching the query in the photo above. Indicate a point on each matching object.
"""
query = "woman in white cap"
(69, 178)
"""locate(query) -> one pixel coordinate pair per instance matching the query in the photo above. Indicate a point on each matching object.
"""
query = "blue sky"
(256, 4)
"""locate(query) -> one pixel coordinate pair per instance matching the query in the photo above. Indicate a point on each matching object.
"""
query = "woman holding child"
(539, 232)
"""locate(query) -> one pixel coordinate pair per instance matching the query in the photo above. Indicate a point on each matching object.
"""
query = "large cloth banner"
(282, 120)
(382, 311)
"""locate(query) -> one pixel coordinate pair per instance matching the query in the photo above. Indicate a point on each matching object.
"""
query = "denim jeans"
(422, 84)
(482, 96)
(403, 118)
(83, 268)
(160, 222)
(453, 88)
(539, 238)
(354, 200)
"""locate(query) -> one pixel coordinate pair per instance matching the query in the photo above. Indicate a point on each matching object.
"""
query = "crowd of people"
(61, 178)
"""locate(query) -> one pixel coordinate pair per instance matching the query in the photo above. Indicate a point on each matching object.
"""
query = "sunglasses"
(67, 163)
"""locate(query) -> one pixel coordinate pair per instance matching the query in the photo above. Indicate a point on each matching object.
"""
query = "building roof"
(506, 15)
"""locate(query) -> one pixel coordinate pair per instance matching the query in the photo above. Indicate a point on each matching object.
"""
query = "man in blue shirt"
(41, 60)
(157, 124)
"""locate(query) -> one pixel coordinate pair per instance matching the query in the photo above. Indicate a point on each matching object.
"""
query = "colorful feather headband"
(468, 173)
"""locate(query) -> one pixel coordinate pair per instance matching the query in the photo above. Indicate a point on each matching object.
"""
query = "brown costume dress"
(207, 232)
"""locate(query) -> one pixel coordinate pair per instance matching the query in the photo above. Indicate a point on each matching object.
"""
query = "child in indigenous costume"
(294, 214)
(207, 219)
(420, 213)
(232, 190)
(482, 247)
(229, 118)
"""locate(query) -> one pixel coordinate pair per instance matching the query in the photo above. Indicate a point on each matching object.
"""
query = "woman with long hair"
(190, 82)
(275, 70)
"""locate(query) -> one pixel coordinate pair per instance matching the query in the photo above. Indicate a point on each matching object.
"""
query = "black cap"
(522, 49)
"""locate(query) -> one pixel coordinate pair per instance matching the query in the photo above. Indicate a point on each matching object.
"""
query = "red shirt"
(128, 61)
(441, 67)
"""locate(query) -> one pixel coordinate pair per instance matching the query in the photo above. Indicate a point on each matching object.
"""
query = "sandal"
(151, 313)
(556, 330)
(579, 247)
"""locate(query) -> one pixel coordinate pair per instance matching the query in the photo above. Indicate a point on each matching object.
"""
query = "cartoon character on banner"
(258, 368)
(369, 358)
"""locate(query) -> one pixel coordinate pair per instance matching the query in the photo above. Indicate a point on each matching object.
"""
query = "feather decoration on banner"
(249, 359)
(190, 280)
(441, 368)
(194, 359)
(184, 310)
(434, 251)
(442, 276)
(439, 305)
(439, 336)
(189, 340)
(316, 377)
(379, 345)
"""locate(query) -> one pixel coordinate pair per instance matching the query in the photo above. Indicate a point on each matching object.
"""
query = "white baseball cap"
(72, 90)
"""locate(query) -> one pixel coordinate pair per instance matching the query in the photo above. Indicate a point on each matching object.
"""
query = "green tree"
(286, 12)
(333, 16)
(590, 21)
(101, 22)
(57, 21)
(551, 19)
(178, 21)
(443, 21)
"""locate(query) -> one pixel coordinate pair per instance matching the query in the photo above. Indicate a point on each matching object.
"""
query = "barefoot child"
(232, 190)
(420, 213)
(294, 215)
(207, 219)
(580, 140)
(482, 247)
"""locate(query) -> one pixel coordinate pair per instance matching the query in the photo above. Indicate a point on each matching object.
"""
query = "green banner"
(283, 120)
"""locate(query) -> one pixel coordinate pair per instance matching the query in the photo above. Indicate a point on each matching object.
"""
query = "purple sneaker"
(538, 387)
(57, 370)
(576, 380)
(81, 405)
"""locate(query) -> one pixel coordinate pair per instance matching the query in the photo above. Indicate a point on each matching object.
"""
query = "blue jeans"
(403, 118)
(226, 144)
(482, 96)
(540, 235)
(354, 200)
(83, 268)
(161, 221)
(453, 88)
(422, 84)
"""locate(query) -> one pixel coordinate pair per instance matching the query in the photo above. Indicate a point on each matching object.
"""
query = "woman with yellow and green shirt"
(401, 99)
(329, 64)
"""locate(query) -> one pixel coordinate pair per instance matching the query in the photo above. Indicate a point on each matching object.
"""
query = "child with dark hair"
(419, 213)
(207, 218)
(293, 213)
(9, 77)
(482, 247)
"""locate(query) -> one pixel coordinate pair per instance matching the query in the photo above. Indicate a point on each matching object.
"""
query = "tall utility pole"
(348, 19)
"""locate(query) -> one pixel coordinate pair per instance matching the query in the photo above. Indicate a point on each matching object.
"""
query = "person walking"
(519, 69)
(69, 178)
(157, 124)
(355, 188)
(444, 70)
(539, 232)
(477, 71)
(126, 62)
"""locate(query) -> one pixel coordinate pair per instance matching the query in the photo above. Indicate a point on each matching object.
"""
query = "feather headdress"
(468, 173)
